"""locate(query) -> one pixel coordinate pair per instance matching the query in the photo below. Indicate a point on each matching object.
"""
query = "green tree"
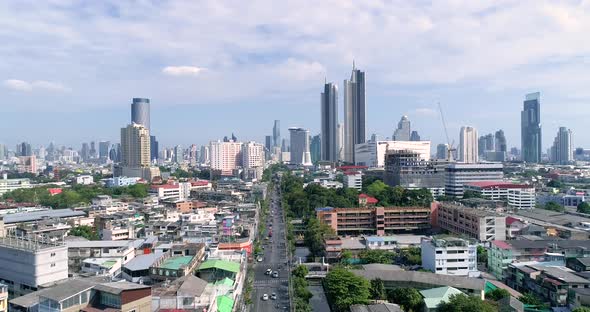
(376, 256)
(85, 231)
(409, 299)
(344, 289)
(555, 183)
(345, 256)
(377, 289)
(584, 207)
(464, 303)
(412, 256)
(471, 194)
(300, 271)
(581, 309)
(377, 188)
(482, 255)
(530, 299)
(497, 294)
(553, 206)
(313, 237)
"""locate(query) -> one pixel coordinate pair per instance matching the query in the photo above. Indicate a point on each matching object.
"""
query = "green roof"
(221, 265)
(109, 264)
(175, 263)
(433, 297)
(226, 281)
(225, 304)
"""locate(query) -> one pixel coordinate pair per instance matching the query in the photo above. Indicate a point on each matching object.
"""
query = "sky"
(69, 69)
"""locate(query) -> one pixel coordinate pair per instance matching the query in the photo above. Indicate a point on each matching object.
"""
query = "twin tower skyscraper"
(336, 143)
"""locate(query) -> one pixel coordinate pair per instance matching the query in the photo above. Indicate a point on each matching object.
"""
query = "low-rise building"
(84, 180)
(9, 185)
(121, 181)
(354, 180)
(518, 196)
(78, 250)
(172, 191)
(459, 174)
(102, 266)
(476, 223)
(450, 255)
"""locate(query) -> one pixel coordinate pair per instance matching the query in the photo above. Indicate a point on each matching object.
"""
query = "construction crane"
(450, 147)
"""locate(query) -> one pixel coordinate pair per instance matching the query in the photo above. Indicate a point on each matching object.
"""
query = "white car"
(268, 272)
(259, 259)
(265, 297)
(273, 296)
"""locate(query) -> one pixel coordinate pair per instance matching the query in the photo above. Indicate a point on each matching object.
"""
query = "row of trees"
(397, 195)
(302, 294)
(70, 197)
(408, 256)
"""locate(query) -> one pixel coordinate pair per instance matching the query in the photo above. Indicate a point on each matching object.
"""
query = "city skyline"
(186, 84)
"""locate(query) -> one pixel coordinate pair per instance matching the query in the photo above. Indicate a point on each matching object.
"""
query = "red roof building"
(366, 200)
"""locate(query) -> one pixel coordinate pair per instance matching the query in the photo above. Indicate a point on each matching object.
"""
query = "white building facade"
(450, 256)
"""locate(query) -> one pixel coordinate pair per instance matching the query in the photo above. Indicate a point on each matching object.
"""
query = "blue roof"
(374, 239)
(324, 209)
(39, 215)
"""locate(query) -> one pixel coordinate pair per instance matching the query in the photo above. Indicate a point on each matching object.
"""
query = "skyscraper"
(85, 152)
(403, 131)
(316, 148)
(468, 149)
(135, 146)
(140, 112)
(276, 133)
(485, 143)
(562, 151)
(178, 154)
(329, 103)
(103, 149)
(442, 151)
(530, 119)
(354, 112)
(300, 154)
(268, 143)
(414, 136)
(339, 141)
(24, 149)
(500, 142)
(92, 150)
(154, 148)
(2, 151)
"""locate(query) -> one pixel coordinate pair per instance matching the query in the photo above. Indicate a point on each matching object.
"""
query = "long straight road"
(275, 258)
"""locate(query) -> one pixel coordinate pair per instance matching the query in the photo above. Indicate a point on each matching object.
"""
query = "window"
(110, 300)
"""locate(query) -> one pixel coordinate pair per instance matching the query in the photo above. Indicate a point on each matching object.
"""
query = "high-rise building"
(414, 136)
(354, 113)
(562, 151)
(140, 112)
(485, 143)
(135, 146)
(468, 145)
(85, 152)
(300, 154)
(103, 149)
(329, 124)
(530, 118)
(500, 142)
(115, 153)
(2, 151)
(154, 148)
(316, 148)
(339, 141)
(178, 154)
(193, 155)
(252, 155)
(268, 143)
(409, 169)
(24, 149)
(276, 133)
(225, 156)
(372, 153)
(93, 152)
(204, 155)
(285, 145)
(403, 131)
(442, 151)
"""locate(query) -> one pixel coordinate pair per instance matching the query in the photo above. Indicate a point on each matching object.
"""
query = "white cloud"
(21, 85)
(299, 70)
(182, 70)
(18, 85)
(425, 111)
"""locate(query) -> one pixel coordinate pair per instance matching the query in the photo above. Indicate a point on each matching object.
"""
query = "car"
(265, 297)
(259, 259)
(273, 296)
(268, 272)
(275, 274)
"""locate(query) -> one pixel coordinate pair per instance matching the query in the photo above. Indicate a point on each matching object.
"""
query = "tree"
(553, 206)
(530, 299)
(581, 309)
(85, 231)
(584, 207)
(300, 271)
(412, 256)
(482, 255)
(313, 237)
(345, 256)
(409, 299)
(471, 194)
(497, 294)
(344, 289)
(376, 256)
(464, 303)
(555, 183)
(378, 289)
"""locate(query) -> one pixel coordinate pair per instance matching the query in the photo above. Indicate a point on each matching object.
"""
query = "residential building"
(329, 122)
(188, 293)
(354, 113)
(172, 191)
(140, 112)
(471, 222)
(78, 250)
(372, 153)
(178, 154)
(500, 147)
(435, 296)
(253, 155)
(374, 220)
(518, 196)
(27, 164)
(354, 180)
(449, 255)
(102, 266)
(468, 149)
(407, 168)
(84, 179)
(300, 154)
(459, 174)
(135, 153)
(485, 144)
(225, 156)
(121, 181)
(403, 131)
(26, 264)
(562, 151)
(530, 119)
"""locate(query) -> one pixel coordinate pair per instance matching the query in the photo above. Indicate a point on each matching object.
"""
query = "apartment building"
(475, 223)
(459, 174)
(374, 220)
(353, 179)
(172, 191)
(450, 256)
(79, 250)
(518, 196)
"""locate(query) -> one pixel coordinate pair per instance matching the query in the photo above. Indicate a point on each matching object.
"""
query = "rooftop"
(118, 287)
(423, 278)
(434, 296)
(142, 262)
(175, 263)
(496, 184)
(221, 265)
(38, 215)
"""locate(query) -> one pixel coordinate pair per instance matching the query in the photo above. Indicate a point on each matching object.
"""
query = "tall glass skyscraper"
(140, 112)
(354, 113)
(530, 119)
(329, 103)
(276, 134)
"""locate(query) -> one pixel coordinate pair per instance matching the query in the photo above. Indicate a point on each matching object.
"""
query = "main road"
(274, 258)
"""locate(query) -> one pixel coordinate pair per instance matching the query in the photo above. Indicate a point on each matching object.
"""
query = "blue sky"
(69, 69)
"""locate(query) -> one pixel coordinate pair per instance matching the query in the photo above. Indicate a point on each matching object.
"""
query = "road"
(275, 258)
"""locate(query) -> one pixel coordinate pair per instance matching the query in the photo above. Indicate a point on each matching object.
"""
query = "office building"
(500, 142)
(354, 113)
(26, 264)
(372, 153)
(518, 196)
(316, 149)
(24, 149)
(562, 151)
(374, 220)
(3, 152)
(225, 156)
(85, 152)
(154, 148)
(178, 154)
(276, 134)
(140, 112)
(485, 143)
(340, 141)
(475, 223)
(204, 155)
(268, 144)
(329, 109)
(93, 152)
(406, 168)
(442, 151)
(103, 149)
(530, 119)
(403, 131)
(468, 149)
(300, 154)
(414, 136)
(459, 174)
(450, 256)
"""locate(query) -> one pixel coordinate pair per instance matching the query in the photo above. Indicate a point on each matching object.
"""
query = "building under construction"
(406, 168)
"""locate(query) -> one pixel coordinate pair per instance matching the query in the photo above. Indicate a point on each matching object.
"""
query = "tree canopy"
(553, 206)
(497, 294)
(85, 231)
(464, 303)
(409, 299)
(584, 207)
(344, 289)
